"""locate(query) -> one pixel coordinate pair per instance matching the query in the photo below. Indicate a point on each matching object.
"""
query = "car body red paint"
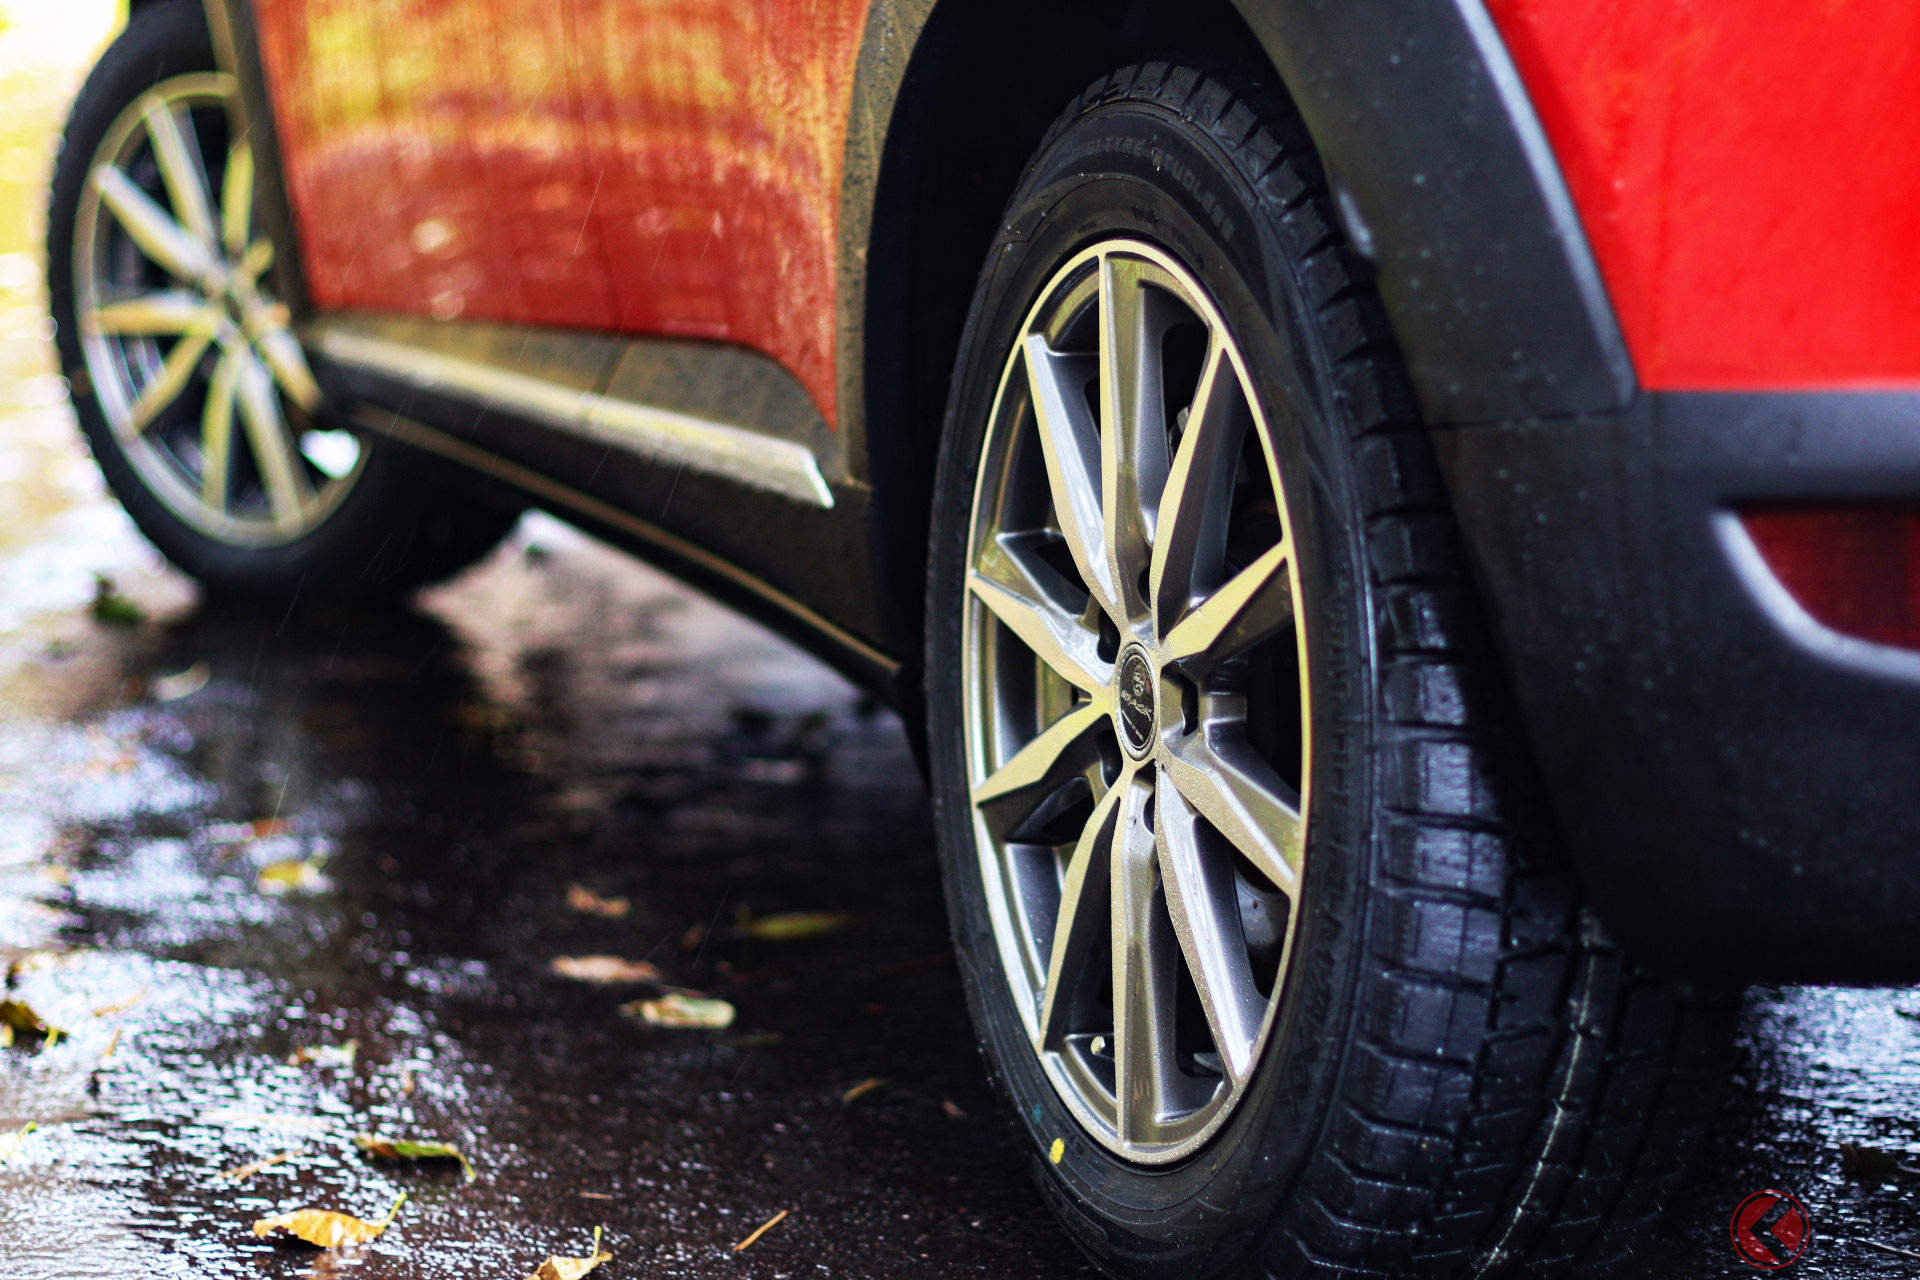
(1745, 173)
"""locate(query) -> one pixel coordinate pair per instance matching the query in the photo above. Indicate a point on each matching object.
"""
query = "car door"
(715, 128)
(434, 158)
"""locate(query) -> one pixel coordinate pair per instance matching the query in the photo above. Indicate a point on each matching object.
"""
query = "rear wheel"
(1261, 944)
(191, 387)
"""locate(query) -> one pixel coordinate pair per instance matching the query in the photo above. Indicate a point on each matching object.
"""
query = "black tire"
(395, 529)
(1467, 1078)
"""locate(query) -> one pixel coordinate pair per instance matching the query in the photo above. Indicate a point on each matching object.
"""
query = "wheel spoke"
(1070, 442)
(1133, 437)
(1205, 909)
(173, 311)
(267, 434)
(1245, 801)
(1062, 751)
(162, 239)
(281, 350)
(216, 432)
(236, 199)
(177, 151)
(1013, 584)
(1143, 972)
(1082, 895)
(1189, 550)
(1254, 604)
(175, 372)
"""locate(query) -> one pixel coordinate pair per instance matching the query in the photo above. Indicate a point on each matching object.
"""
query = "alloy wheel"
(183, 340)
(1136, 700)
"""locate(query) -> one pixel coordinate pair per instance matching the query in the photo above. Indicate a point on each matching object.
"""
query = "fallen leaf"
(761, 1230)
(604, 969)
(676, 1010)
(330, 1055)
(864, 1088)
(292, 876)
(558, 1268)
(1871, 1164)
(693, 937)
(18, 1015)
(246, 1171)
(120, 1006)
(953, 1112)
(180, 684)
(112, 608)
(409, 1149)
(589, 903)
(326, 1229)
(752, 1040)
(11, 1143)
(794, 926)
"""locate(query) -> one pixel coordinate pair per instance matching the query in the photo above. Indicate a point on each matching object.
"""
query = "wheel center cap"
(1134, 700)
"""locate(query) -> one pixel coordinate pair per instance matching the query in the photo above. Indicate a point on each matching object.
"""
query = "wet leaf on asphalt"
(245, 1171)
(18, 1016)
(761, 1230)
(292, 876)
(794, 926)
(1871, 1164)
(604, 969)
(120, 1006)
(589, 903)
(953, 1112)
(111, 608)
(180, 684)
(559, 1268)
(682, 1011)
(864, 1088)
(325, 1228)
(11, 1143)
(325, 1055)
(410, 1149)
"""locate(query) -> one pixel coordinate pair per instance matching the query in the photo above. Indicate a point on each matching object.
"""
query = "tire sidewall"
(1141, 171)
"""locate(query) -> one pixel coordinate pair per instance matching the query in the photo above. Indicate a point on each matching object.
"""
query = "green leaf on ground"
(679, 1011)
(412, 1149)
(112, 609)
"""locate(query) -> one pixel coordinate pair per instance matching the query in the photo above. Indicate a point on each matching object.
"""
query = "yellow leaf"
(558, 1268)
(604, 969)
(328, 1230)
(18, 1015)
(793, 926)
(589, 903)
(11, 1143)
(680, 1011)
(292, 876)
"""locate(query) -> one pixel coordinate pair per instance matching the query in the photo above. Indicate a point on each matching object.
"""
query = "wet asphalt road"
(450, 771)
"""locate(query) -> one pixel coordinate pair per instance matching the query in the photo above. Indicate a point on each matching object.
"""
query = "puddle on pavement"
(557, 717)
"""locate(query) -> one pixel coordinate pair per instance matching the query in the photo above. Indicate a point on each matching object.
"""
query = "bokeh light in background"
(57, 526)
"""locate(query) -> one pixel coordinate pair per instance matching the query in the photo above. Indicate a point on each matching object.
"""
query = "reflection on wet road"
(449, 797)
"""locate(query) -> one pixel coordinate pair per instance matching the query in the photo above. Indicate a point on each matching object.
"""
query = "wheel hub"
(1134, 709)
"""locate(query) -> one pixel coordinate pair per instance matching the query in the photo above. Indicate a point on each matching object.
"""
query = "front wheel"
(1256, 941)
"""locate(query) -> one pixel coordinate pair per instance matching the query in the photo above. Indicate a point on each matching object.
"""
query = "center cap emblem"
(1133, 678)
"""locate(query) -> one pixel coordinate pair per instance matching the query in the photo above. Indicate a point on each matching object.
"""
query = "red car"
(1393, 523)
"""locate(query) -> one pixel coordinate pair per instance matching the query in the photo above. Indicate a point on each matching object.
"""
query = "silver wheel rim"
(1136, 706)
(191, 359)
